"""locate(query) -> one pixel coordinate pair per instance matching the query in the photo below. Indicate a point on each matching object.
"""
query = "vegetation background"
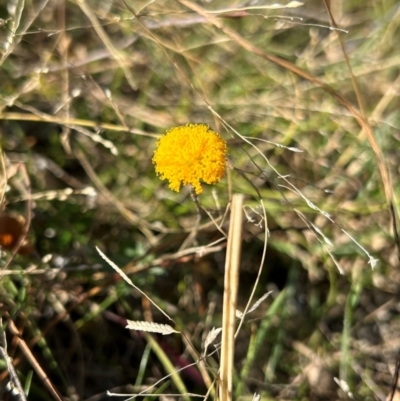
(87, 86)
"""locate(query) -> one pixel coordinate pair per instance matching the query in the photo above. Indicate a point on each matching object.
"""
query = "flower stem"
(189, 240)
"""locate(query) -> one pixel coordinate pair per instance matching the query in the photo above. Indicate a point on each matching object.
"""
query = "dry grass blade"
(150, 327)
(10, 367)
(14, 39)
(107, 42)
(275, 6)
(15, 9)
(72, 122)
(231, 284)
(363, 122)
(129, 281)
(395, 378)
(32, 360)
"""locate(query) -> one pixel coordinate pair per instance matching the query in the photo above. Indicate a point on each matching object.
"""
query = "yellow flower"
(190, 153)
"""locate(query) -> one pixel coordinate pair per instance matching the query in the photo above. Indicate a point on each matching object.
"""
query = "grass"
(310, 115)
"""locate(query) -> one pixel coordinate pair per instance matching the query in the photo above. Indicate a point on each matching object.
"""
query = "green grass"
(86, 88)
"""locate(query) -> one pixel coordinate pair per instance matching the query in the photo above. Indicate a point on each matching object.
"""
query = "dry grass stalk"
(232, 264)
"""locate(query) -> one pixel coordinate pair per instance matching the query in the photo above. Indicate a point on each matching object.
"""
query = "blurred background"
(87, 87)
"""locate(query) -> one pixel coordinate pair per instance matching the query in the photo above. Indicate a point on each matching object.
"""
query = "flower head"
(190, 153)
